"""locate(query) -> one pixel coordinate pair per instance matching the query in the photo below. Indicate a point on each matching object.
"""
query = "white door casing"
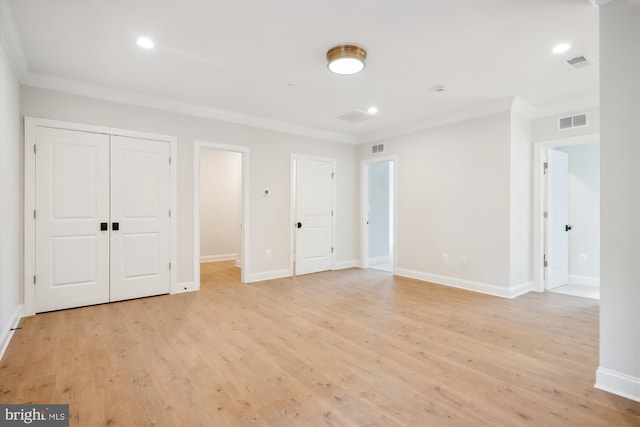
(140, 205)
(557, 253)
(72, 178)
(314, 213)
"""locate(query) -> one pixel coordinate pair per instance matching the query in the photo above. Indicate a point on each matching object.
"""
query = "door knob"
(104, 226)
(567, 228)
(115, 226)
(299, 225)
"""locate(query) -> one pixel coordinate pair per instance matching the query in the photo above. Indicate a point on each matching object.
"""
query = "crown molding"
(11, 40)
(434, 122)
(197, 110)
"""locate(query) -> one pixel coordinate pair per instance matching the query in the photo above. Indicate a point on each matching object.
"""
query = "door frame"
(292, 208)
(364, 202)
(30, 125)
(245, 239)
(539, 194)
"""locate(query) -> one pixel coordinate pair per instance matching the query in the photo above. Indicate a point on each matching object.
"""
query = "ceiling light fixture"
(561, 48)
(346, 59)
(145, 43)
(372, 110)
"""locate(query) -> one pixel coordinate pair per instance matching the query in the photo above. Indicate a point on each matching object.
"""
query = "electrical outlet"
(268, 253)
(445, 258)
(463, 260)
(583, 258)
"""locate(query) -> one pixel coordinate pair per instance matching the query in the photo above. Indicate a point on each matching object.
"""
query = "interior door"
(314, 214)
(558, 219)
(72, 205)
(140, 218)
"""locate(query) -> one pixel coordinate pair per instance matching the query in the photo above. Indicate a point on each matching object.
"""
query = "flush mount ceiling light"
(561, 48)
(346, 59)
(145, 43)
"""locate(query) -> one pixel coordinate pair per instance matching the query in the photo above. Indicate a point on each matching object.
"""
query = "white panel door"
(558, 219)
(140, 222)
(72, 200)
(314, 206)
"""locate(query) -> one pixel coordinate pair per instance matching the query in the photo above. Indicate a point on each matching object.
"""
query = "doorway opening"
(220, 209)
(378, 212)
(568, 216)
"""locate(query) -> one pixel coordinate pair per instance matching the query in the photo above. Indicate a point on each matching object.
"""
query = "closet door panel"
(140, 221)
(72, 200)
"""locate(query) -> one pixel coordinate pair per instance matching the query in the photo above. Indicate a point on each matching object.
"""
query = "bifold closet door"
(72, 202)
(102, 218)
(140, 218)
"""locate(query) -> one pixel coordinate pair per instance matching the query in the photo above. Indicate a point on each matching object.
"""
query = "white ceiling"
(263, 62)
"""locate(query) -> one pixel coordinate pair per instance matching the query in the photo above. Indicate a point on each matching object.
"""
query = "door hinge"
(332, 249)
(546, 215)
(545, 166)
(169, 266)
(169, 160)
(34, 149)
(169, 213)
(545, 263)
(333, 175)
(34, 214)
(34, 279)
(332, 213)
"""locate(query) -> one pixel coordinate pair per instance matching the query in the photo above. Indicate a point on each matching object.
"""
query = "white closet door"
(140, 202)
(314, 204)
(72, 200)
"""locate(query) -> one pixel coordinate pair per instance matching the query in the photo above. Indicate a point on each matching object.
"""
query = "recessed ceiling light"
(561, 48)
(372, 110)
(145, 43)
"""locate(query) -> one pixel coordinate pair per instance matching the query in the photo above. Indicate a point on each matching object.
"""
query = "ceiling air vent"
(356, 116)
(376, 149)
(570, 122)
(578, 62)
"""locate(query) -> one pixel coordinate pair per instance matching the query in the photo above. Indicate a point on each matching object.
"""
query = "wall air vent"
(377, 149)
(578, 62)
(356, 116)
(570, 122)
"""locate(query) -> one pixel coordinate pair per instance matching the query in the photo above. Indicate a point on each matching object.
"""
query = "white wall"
(619, 370)
(584, 211)
(453, 197)
(269, 168)
(521, 182)
(220, 204)
(10, 199)
(379, 206)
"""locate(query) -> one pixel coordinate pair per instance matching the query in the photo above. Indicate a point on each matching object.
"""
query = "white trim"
(30, 125)
(584, 280)
(7, 334)
(484, 288)
(183, 287)
(165, 104)
(618, 383)
(341, 265)
(364, 201)
(268, 275)
(246, 236)
(10, 37)
(539, 197)
(378, 260)
(292, 208)
(216, 258)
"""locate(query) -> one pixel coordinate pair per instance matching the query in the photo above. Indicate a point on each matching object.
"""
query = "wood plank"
(346, 348)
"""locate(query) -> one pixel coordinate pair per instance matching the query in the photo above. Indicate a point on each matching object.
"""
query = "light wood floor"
(347, 348)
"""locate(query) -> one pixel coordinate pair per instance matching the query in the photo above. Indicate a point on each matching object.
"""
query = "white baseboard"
(469, 285)
(268, 275)
(221, 257)
(341, 265)
(584, 280)
(239, 263)
(7, 333)
(379, 260)
(618, 383)
(183, 287)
